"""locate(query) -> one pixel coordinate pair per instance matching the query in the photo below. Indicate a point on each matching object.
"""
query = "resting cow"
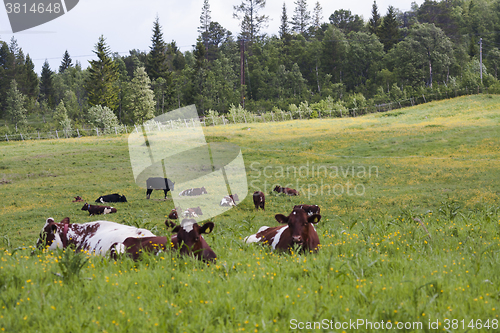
(97, 237)
(310, 209)
(286, 190)
(173, 214)
(229, 200)
(259, 200)
(188, 240)
(193, 191)
(158, 183)
(96, 210)
(78, 199)
(192, 212)
(111, 198)
(297, 231)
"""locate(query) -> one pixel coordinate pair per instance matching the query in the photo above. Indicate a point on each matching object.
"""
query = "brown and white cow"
(259, 200)
(173, 213)
(192, 212)
(229, 200)
(97, 237)
(286, 190)
(188, 240)
(78, 199)
(310, 209)
(96, 210)
(193, 191)
(299, 230)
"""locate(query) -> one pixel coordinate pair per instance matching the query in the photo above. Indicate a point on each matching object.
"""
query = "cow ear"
(207, 228)
(314, 218)
(176, 229)
(53, 228)
(65, 220)
(281, 218)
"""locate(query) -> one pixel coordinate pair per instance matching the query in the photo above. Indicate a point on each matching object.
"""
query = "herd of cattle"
(105, 237)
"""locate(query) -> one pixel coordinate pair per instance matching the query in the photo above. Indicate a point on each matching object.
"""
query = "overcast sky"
(127, 25)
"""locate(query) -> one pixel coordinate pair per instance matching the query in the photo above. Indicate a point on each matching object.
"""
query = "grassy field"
(376, 267)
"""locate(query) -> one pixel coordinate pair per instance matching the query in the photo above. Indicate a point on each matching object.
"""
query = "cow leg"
(165, 191)
(148, 193)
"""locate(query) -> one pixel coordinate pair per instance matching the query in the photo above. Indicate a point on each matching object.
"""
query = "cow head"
(50, 236)
(190, 240)
(204, 190)
(170, 184)
(85, 207)
(277, 189)
(122, 199)
(298, 223)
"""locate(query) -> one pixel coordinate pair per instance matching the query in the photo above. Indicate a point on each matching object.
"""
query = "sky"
(127, 25)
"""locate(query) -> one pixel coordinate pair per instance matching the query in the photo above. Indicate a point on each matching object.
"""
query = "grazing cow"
(193, 191)
(96, 210)
(259, 200)
(310, 209)
(286, 190)
(158, 183)
(229, 200)
(192, 212)
(188, 238)
(111, 198)
(173, 213)
(78, 199)
(97, 237)
(297, 231)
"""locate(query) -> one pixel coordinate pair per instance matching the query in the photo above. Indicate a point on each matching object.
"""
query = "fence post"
(116, 131)
(424, 98)
(7, 137)
(136, 128)
(319, 114)
(97, 131)
(291, 118)
(272, 116)
(57, 134)
(38, 135)
(78, 132)
(126, 129)
(234, 121)
(300, 115)
(244, 117)
(21, 134)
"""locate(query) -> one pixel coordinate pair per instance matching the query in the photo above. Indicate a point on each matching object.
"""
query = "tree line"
(438, 46)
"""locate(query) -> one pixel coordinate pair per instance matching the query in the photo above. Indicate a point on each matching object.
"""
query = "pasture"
(372, 176)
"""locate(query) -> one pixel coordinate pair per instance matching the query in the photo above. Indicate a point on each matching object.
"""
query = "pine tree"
(205, 20)
(374, 22)
(6, 74)
(251, 22)
(317, 15)
(46, 85)
(15, 105)
(284, 28)
(156, 64)
(102, 83)
(302, 17)
(389, 31)
(141, 97)
(66, 62)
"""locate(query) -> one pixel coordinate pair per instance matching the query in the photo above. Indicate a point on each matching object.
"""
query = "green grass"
(437, 163)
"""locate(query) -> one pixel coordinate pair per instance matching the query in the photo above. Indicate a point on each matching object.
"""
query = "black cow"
(111, 198)
(158, 183)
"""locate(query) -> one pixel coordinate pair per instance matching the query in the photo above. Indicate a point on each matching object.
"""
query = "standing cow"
(259, 200)
(158, 183)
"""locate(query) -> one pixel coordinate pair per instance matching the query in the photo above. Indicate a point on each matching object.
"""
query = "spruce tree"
(302, 17)
(284, 28)
(374, 22)
(66, 62)
(389, 30)
(102, 83)
(317, 15)
(46, 85)
(31, 83)
(205, 20)
(156, 64)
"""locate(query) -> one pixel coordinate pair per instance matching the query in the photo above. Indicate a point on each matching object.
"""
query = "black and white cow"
(111, 198)
(158, 183)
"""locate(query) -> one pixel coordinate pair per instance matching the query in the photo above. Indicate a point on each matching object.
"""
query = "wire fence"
(245, 117)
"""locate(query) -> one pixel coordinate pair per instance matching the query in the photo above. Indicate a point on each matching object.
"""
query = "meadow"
(410, 231)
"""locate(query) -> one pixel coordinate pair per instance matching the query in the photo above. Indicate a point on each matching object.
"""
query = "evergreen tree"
(284, 28)
(15, 105)
(61, 116)
(102, 81)
(317, 15)
(374, 22)
(205, 20)
(66, 62)
(156, 64)
(47, 86)
(141, 97)
(251, 22)
(302, 17)
(345, 21)
(31, 83)
(389, 31)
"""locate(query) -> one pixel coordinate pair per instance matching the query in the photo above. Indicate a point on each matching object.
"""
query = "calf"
(192, 212)
(188, 240)
(97, 237)
(78, 199)
(158, 183)
(259, 200)
(96, 210)
(111, 198)
(229, 200)
(310, 209)
(297, 231)
(286, 190)
(173, 214)
(193, 192)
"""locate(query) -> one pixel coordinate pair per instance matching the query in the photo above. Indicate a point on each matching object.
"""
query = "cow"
(310, 209)
(96, 210)
(229, 200)
(111, 198)
(298, 231)
(259, 200)
(173, 213)
(193, 191)
(97, 237)
(286, 190)
(158, 183)
(78, 199)
(192, 212)
(188, 240)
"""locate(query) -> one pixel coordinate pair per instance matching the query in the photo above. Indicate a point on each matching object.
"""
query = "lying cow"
(310, 209)
(96, 210)
(286, 190)
(78, 199)
(188, 240)
(158, 183)
(111, 198)
(259, 200)
(97, 237)
(297, 231)
(173, 214)
(229, 200)
(193, 192)
(192, 212)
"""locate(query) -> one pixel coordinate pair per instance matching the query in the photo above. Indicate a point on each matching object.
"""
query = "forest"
(320, 60)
